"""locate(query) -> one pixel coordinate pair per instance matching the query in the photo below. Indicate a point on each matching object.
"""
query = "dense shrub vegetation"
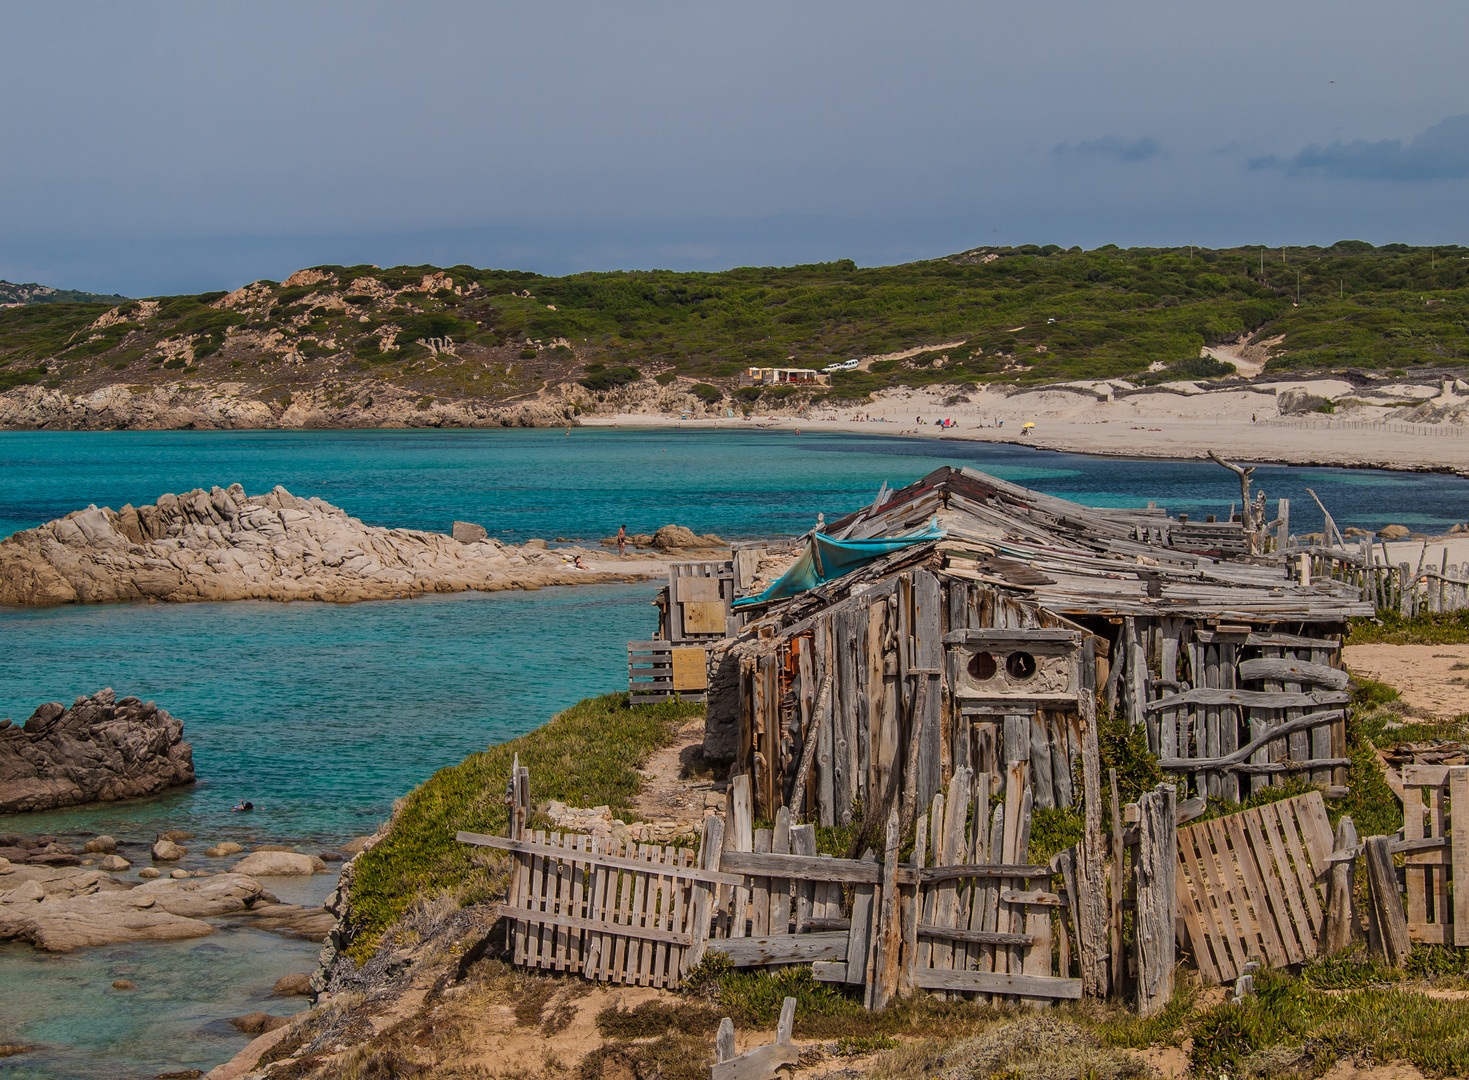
(1026, 314)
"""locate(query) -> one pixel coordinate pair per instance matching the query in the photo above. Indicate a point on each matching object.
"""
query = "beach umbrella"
(1027, 425)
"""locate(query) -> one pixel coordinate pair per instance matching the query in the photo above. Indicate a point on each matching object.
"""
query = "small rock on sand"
(292, 985)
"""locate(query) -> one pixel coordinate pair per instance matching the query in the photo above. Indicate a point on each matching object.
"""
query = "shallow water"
(323, 714)
(176, 1018)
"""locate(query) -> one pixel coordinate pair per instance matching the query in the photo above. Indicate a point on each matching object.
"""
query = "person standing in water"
(622, 541)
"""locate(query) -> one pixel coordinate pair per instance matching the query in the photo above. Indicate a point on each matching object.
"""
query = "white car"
(836, 366)
(850, 365)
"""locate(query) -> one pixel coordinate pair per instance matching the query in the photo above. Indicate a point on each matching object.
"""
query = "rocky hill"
(13, 295)
(422, 346)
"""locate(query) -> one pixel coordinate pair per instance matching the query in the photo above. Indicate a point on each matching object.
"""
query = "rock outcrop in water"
(100, 749)
(61, 909)
(222, 544)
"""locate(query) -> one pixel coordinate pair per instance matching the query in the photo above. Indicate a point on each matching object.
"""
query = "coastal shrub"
(587, 755)
(609, 378)
(706, 393)
(663, 378)
(528, 353)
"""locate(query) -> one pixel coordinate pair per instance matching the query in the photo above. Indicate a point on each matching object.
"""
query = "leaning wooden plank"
(711, 843)
(1285, 812)
(1236, 758)
(973, 937)
(782, 949)
(829, 971)
(860, 935)
(1188, 904)
(694, 873)
(1290, 884)
(1279, 893)
(1033, 896)
(1389, 923)
(1000, 983)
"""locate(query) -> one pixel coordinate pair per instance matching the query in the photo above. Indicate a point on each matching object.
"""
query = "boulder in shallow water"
(278, 864)
(468, 533)
(293, 985)
(123, 984)
(258, 1023)
(114, 864)
(150, 872)
(175, 835)
(219, 851)
(1392, 532)
(101, 845)
(168, 851)
(100, 749)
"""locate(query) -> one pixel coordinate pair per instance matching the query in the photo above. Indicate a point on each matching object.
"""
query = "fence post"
(1388, 924)
(1157, 897)
(1341, 927)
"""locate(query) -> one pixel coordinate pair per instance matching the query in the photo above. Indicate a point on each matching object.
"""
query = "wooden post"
(711, 850)
(1459, 848)
(1114, 910)
(888, 932)
(1156, 869)
(1341, 927)
(1091, 892)
(912, 900)
(740, 836)
(1388, 926)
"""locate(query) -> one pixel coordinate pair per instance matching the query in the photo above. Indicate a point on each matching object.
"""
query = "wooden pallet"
(664, 670)
(1250, 886)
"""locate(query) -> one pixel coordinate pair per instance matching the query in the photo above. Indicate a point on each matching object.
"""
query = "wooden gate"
(615, 911)
(1435, 849)
(1249, 886)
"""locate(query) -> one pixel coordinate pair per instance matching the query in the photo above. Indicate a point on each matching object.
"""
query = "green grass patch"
(1389, 628)
(1293, 1026)
(587, 755)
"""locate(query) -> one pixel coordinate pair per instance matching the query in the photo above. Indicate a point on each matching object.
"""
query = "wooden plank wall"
(889, 732)
(721, 578)
(1211, 699)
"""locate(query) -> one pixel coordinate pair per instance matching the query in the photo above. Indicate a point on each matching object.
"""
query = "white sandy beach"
(1181, 421)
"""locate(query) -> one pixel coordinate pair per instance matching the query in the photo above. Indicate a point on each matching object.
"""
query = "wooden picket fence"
(1249, 886)
(965, 913)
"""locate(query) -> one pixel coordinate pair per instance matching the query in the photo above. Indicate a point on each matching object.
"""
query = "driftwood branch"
(808, 753)
(1251, 517)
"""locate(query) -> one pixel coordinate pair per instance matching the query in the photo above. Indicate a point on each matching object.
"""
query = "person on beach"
(622, 541)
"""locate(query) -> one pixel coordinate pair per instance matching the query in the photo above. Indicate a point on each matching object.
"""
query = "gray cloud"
(1113, 146)
(1440, 153)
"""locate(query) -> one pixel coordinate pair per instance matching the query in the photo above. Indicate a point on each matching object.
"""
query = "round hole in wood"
(982, 666)
(1020, 666)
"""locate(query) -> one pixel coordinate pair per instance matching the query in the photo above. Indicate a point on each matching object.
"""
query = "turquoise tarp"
(827, 559)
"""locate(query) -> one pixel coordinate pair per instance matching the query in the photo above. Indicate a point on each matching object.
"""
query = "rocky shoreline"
(222, 544)
(101, 749)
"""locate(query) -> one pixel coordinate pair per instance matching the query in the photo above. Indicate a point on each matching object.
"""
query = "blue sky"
(166, 147)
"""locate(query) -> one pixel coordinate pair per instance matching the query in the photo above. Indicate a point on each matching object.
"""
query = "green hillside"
(1026, 314)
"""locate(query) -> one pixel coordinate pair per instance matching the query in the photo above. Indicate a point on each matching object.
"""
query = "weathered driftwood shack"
(992, 644)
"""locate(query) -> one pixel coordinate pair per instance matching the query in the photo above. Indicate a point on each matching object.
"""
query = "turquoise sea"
(323, 714)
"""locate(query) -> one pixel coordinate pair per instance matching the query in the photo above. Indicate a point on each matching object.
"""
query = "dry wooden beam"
(528, 847)
(972, 937)
(1260, 699)
(782, 948)
(1389, 923)
(1240, 756)
(988, 982)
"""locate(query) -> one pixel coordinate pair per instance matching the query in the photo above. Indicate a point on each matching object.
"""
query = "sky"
(150, 148)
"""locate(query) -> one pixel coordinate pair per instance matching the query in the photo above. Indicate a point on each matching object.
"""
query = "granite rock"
(222, 544)
(277, 864)
(101, 749)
